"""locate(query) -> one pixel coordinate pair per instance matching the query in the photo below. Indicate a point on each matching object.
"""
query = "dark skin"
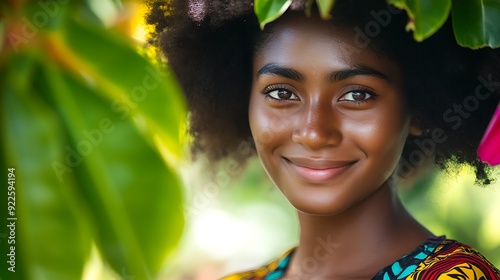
(329, 122)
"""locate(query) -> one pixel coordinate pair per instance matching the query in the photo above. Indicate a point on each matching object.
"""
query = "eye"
(281, 94)
(358, 95)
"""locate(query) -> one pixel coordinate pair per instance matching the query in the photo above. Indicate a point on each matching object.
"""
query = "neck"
(350, 243)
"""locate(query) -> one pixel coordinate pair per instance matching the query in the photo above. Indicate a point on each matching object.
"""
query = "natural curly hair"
(210, 45)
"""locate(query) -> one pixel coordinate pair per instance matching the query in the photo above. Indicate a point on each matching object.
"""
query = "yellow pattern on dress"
(463, 270)
(259, 273)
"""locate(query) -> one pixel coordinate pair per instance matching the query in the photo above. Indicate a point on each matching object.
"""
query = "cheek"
(267, 132)
(268, 126)
(382, 139)
(381, 131)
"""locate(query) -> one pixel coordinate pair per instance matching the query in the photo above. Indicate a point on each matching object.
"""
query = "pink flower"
(489, 148)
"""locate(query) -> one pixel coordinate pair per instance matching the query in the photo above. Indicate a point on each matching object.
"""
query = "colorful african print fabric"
(436, 259)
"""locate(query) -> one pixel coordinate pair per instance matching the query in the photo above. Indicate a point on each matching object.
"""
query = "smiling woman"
(336, 101)
(336, 123)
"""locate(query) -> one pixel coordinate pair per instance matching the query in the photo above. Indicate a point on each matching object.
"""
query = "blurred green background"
(93, 125)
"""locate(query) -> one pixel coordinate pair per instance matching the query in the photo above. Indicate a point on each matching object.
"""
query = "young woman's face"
(329, 120)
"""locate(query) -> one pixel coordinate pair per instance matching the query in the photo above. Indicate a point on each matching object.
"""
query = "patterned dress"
(436, 259)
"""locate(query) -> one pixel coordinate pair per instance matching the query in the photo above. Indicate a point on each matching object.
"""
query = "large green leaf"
(88, 124)
(53, 238)
(269, 10)
(476, 23)
(130, 192)
(134, 87)
(427, 16)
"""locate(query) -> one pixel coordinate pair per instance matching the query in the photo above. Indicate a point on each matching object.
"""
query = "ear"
(415, 128)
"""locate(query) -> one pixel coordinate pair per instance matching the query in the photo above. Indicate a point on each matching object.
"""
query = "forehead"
(298, 40)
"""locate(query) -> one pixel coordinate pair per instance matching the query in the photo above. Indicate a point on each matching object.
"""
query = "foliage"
(93, 130)
(269, 10)
(476, 23)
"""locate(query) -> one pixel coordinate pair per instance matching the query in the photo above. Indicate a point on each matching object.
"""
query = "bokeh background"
(234, 218)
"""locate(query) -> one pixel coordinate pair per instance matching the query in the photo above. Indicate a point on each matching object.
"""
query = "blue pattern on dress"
(280, 270)
(403, 267)
(400, 269)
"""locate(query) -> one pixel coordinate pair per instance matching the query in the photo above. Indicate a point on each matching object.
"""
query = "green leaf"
(427, 16)
(269, 10)
(89, 123)
(476, 23)
(325, 7)
(52, 232)
(134, 199)
(134, 87)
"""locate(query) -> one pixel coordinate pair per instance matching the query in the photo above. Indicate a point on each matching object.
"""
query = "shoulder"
(454, 260)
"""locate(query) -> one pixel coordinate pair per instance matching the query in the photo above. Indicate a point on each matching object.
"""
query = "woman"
(338, 110)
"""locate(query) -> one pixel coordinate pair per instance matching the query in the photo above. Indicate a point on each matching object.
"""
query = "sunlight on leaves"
(269, 10)
(325, 6)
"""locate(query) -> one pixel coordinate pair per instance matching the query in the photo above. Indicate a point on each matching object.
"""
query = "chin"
(314, 210)
(318, 205)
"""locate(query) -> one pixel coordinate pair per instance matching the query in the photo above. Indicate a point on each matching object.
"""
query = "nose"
(319, 127)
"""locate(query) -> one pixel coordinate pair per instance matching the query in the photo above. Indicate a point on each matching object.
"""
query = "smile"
(317, 171)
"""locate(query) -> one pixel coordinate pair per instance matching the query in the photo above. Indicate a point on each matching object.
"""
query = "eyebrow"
(357, 70)
(292, 74)
(276, 70)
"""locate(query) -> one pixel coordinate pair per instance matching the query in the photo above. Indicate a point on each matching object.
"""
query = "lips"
(317, 171)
